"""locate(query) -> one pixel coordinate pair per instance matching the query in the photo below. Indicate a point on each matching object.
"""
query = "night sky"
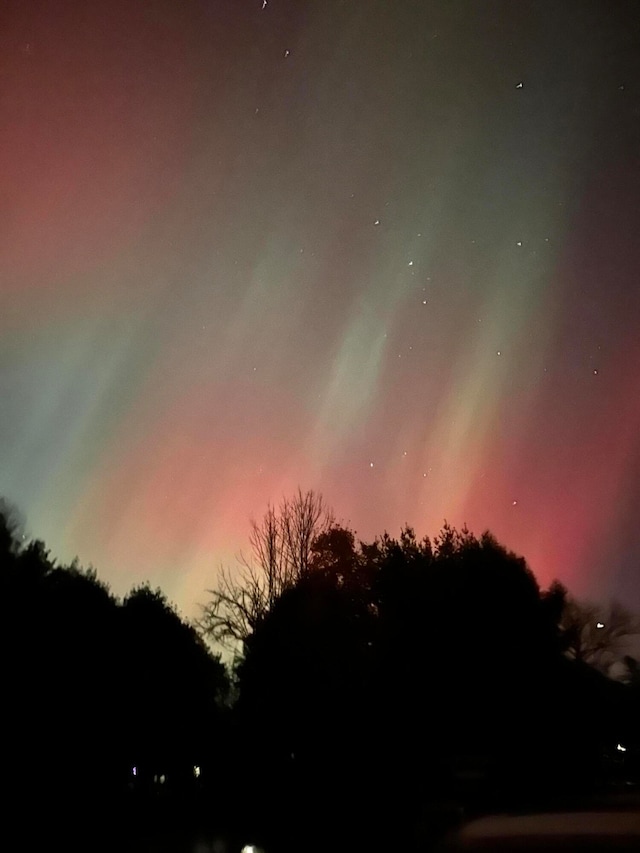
(386, 250)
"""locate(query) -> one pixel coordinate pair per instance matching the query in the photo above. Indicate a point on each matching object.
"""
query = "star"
(519, 85)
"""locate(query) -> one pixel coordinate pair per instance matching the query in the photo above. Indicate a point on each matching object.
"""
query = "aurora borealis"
(385, 250)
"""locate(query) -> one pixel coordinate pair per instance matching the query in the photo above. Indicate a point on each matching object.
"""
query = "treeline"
(101, 695)
(373, 683)
(380, 681)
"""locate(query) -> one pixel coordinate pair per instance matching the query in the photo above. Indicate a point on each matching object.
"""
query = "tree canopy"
(281, 554)
(429, 662)
(94, 686)
(374, 677)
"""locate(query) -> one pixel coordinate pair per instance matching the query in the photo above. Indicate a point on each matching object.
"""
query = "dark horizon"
(386, 694)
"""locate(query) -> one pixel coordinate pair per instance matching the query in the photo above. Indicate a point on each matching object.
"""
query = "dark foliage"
(406, 672)
(382, 687)
(94, 688)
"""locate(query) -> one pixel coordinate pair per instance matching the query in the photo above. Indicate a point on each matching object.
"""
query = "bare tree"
(281, 553)
(597, 635)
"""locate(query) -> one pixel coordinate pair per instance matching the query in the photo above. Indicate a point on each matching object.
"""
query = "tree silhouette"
(174, 688)
(281, 554)
(58, 672)
(11, 531)
(94, 687)
(596, 634)
(303, 688)
(396, 671)
(375, 678)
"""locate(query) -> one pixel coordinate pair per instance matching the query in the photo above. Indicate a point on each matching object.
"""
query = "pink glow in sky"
(335, 246)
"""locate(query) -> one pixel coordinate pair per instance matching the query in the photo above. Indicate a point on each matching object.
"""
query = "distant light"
(134, 771)
(162, 779)
(248, 848)
(621, 748)
(599, 624)
(196, 770)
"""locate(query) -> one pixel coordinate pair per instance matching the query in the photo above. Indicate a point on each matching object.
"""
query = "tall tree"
(174, 686)
(282, 552)
(393, 671)
(597, 635)
(95, 687)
